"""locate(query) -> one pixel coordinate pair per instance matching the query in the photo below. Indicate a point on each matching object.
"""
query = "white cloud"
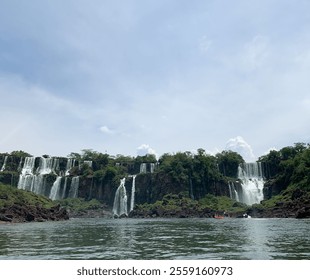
(239, 145)
(145, 149)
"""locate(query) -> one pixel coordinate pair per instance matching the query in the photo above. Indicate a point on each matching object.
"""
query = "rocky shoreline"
(17, 213)
(299, 209)
(302, 213)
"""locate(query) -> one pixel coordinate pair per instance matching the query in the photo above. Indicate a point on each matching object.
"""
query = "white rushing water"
(34, 179)
(26, 177)
(74, 187)
(70, 165)
(120, 200)
(55, 190)
(133, 191)
(143, 168)
(252, 183)
(48, 166)
(233, 192)
(4, 164)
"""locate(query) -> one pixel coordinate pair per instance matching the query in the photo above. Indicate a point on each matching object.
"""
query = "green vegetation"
(288, 167)
(10, 195)
(78, 204)
(179, 203)
(222, 204)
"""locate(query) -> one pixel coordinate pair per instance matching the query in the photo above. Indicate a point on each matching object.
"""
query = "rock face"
(26, 213)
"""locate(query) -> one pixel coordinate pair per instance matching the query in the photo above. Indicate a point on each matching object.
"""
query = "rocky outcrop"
(27, 213)
(160, 212)
(297, 206)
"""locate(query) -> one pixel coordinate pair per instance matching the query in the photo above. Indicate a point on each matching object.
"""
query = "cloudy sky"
(130, 76)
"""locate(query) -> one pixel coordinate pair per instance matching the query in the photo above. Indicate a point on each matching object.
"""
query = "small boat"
(246, 216)
(218, 217)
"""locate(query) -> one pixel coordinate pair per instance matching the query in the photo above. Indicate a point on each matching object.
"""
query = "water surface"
(157, 239)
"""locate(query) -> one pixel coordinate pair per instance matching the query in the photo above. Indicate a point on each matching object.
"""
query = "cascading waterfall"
(74, 187)
(48, 166)
(26, 176)
(55, 190)
(19, 168)
(70, 165)
(252, 183)
(233, 192)
(120, 200)
(34, 181)
(63, 195)
(133, 190)
(152, 167)
(37, 180)
(4, 164)
(143, 168)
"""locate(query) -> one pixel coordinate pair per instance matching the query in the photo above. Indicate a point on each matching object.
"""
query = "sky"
(154, 76)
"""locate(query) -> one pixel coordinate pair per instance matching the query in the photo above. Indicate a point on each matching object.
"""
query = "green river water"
(108, 239)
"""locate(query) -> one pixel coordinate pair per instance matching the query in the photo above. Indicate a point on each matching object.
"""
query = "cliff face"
(59, 178)
(150, 187)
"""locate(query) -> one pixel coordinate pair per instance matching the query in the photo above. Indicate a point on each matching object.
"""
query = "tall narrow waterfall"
(70, 164)
(133, 190)
(252, 183)
(55, 190)
(233, 192)
(143, 168)
(4, 164)
(26, 177)
(120, 200)
(74, 188)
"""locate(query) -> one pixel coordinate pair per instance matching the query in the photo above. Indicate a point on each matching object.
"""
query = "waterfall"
(74, 187)
(55, 190)
(26, 176)
(37, 184)
(143, 168)
(19, 168)
(252, 182)
(4, 164)
(63, 195)
(191, 191)
(120, 200)
(133, 190)
(233, 192)
(34, 181)
(70, 165)
(48, 166)
(44, 176)
(152, 167)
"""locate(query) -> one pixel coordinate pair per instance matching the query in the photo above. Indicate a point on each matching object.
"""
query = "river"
(112, 239)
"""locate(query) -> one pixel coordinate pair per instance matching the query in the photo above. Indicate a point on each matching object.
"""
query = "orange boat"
(218, 217)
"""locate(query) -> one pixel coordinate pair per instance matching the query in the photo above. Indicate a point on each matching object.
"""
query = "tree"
(228, 162)
(20, 154)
